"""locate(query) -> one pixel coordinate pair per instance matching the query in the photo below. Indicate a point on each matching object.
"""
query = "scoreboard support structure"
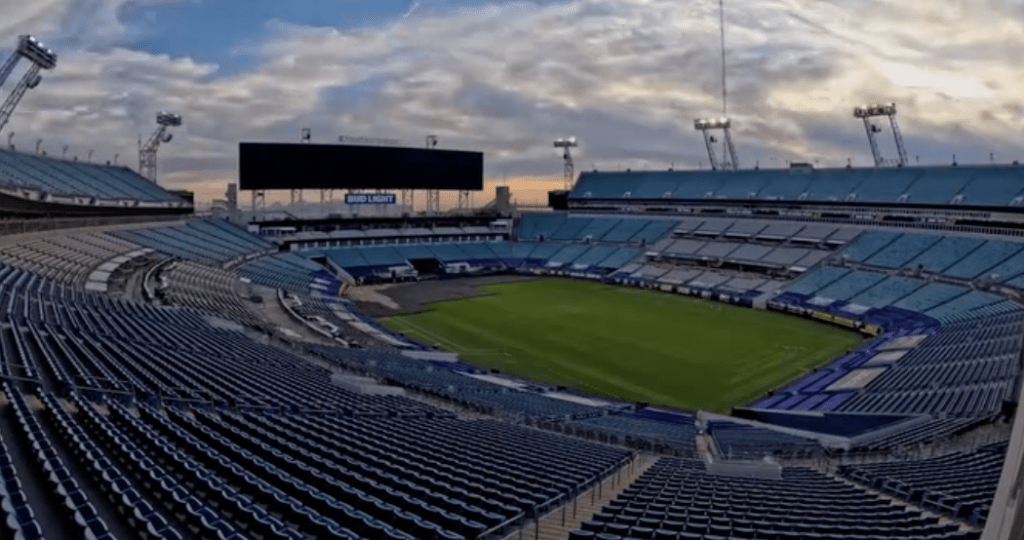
(409, 200)
(259, 200)
(433, 202)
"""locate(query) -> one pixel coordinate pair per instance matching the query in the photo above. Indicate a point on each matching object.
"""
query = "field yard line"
(448, 344)
(423, 331)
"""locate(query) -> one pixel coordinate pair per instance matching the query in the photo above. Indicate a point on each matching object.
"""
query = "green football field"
(631, 344)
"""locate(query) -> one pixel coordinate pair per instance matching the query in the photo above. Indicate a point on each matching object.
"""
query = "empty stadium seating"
(959, 484)
(967, 369)
(929, 431)
(206, 289)
(645, 429)
(73, 178)
(677, 498)
(91, 344)
(174, 426)
(741, 441)
(991, 186)
(595, 246)
(206, 241)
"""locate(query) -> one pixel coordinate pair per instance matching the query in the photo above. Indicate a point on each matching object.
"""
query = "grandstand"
(167, 375)
(170, 404)
(962, 187)
(32, 185)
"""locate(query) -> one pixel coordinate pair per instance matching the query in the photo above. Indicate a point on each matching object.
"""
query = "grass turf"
(630, 344)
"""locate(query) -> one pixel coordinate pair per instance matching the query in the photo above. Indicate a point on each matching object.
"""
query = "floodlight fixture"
(568, 171)
(148, 151)
(705, 125)
(869, 111)
(712, 123)
(34, 51)
(168, 119)
(878, 109)
(40, 57)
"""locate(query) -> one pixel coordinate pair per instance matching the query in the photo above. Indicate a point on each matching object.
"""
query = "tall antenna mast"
(705, 125)
(721, 24)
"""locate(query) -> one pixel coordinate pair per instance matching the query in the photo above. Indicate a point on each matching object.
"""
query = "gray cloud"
(626, 76)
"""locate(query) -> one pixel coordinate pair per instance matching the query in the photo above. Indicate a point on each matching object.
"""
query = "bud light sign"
(370, 198)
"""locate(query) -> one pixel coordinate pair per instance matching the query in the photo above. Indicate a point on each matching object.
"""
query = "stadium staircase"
(557, 524)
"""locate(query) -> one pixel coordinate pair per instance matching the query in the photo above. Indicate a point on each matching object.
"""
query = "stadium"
(804, 352)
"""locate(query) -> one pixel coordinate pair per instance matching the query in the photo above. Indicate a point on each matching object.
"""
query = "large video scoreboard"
(270, 166)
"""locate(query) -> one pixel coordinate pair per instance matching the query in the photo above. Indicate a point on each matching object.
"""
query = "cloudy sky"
(627, 77)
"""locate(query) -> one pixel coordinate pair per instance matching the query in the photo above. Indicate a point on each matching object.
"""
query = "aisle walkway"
(560, 522)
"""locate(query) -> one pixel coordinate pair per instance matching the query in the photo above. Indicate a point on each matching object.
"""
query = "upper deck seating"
(978, 185)
(72, 178)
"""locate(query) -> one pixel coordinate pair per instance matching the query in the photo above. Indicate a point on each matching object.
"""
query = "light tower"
(41, 58)
(706, 125)
(147, 152)
(433, 195)
(566, 143)
(866, 113)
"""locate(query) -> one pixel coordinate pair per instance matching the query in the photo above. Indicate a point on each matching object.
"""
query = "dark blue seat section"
(966, 370)
(645, 429)
(288, 271)
(75, 504)
(987, 186)
(104, 346)
(957, 257)
(380, 466)
(204, 289)
(18, 519)
(119, 489)
(929, 431)
(741, 441)
(450, 381)
(212, 242)
(164, 474)
(586, 246)
(252, 494)
(60, 177)
(419, 476)
(311, 284)
(960, 485)
(299, 475)
(677, 498)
